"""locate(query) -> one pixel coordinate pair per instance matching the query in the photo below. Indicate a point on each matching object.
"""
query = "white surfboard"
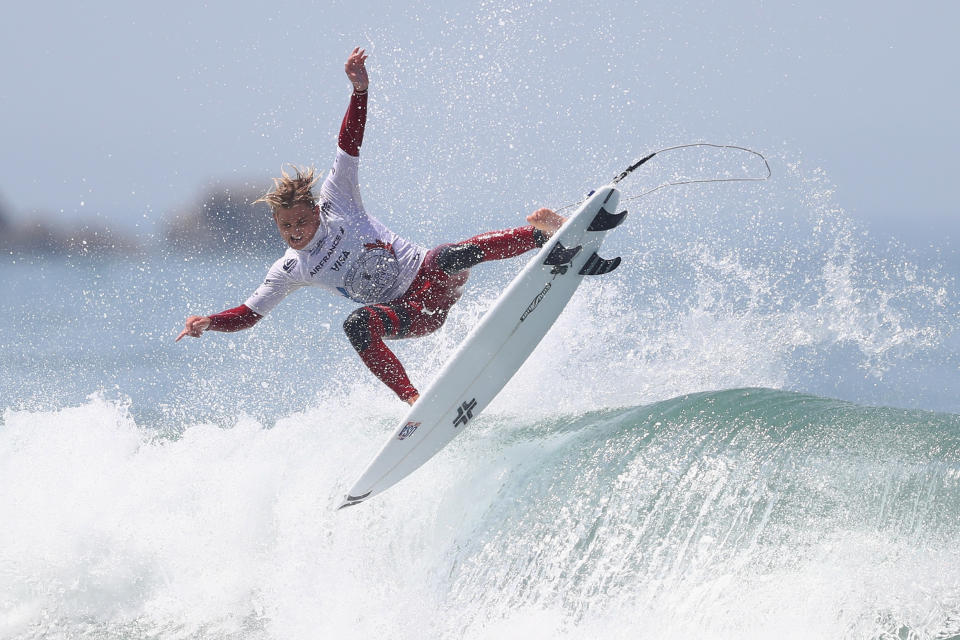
(497, 347)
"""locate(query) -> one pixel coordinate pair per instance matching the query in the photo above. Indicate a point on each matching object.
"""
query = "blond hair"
(291, 189)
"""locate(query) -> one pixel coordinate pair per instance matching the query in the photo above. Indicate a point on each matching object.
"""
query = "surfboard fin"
(604, 220)
(560, 255)
(595, 265)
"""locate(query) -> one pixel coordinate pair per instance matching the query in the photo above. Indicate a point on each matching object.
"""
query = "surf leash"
(626, 172)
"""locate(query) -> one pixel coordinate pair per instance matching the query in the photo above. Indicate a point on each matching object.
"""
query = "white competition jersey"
(352, 253)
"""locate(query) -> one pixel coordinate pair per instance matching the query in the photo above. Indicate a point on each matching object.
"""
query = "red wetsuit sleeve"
(242, 317)
(354, 122)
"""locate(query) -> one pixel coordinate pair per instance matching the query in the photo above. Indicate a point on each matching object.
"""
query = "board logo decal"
(465, 412)
(408, 430)
(536, 301)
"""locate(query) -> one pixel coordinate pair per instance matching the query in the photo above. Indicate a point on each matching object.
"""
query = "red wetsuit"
(423, 308)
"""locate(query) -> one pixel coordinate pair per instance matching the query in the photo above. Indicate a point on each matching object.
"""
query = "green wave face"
(725, 511)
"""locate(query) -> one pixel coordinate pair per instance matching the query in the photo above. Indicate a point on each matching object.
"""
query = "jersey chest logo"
(329, 254)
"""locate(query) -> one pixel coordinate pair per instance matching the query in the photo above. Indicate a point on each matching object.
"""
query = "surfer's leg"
(420, 312)
(495, 245)
(423, 308)
(366, 328)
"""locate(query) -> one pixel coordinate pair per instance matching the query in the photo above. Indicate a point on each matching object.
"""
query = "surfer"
(333, 243)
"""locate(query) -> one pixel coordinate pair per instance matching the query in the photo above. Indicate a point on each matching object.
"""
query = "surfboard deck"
(497, 346)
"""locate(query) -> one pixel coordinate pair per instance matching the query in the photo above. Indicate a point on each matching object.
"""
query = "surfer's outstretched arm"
(355, 120)
(297, 214)
(242, 317)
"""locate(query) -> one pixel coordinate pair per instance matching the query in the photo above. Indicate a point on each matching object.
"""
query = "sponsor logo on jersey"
(340, 261)
(330, 252)
(320, 245)
(289, 264)
(379, 244)
(408, 430)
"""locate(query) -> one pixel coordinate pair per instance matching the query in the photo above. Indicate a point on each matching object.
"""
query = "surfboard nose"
(350, 501)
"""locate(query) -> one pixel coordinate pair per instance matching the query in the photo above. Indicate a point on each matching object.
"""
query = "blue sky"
(124, 112)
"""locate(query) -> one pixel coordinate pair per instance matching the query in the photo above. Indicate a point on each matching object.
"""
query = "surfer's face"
(298, 224)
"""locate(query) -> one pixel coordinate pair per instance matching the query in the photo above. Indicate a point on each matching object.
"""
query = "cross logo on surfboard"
(465, 412)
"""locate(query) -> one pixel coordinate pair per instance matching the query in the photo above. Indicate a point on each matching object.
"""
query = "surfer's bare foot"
(546, 220)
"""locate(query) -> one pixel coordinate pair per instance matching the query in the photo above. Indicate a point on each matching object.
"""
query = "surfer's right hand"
(356, 70)
(195, 326)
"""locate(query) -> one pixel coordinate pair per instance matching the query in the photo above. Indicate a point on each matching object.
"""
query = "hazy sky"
(124, 111)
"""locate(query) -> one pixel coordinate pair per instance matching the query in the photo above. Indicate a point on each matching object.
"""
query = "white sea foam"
(610, 523)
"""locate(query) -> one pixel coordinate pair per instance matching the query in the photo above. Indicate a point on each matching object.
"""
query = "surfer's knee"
(457, 257)
(357, 328)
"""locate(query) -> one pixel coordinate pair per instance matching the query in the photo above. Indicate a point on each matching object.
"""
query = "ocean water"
(749, 430)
